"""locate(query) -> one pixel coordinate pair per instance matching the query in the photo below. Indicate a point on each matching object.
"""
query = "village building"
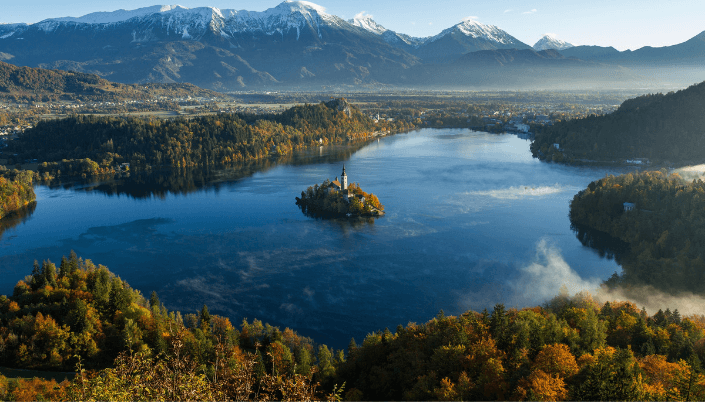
(629, 206)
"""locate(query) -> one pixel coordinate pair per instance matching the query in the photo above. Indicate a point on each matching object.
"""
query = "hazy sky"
(628, 24)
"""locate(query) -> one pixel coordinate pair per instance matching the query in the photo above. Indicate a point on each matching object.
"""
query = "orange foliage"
(661, 377)
(556, 360)
(586, 360)
(38, 389)
(221, 325)
(540, 386)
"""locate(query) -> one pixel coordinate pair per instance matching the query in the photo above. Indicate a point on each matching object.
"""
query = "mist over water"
(472, 220)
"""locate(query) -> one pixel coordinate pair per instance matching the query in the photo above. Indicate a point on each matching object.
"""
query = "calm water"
(472, 220)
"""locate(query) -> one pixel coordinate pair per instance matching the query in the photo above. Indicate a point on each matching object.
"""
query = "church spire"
(344, 179)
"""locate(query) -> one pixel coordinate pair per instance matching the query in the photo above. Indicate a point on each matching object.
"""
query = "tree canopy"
(658, 127)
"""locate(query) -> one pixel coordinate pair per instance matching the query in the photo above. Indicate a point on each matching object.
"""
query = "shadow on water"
(162, 182)
(344, 222)
(17, 217)
(602, 243)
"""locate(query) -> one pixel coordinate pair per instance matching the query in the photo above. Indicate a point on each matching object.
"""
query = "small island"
(338, 199)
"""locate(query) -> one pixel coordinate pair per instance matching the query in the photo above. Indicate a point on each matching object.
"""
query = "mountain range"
(297, 44)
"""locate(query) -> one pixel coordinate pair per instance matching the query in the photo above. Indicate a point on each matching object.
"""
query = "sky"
(624, 24)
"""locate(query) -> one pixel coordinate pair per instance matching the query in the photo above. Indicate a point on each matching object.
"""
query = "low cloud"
(542, 279)
(514, 193)
(690, 173)
(652, 300)
(508, 11)
(532, 11)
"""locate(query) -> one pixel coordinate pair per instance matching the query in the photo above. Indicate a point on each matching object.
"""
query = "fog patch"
(291, 309)
(549, 275)
(544, 276)
(522, 284)
(515, 193)
(654, 300)
(263, 264)
(476, 201)
(690, 173)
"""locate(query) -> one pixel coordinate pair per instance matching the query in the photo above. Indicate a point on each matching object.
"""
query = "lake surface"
(472, 220)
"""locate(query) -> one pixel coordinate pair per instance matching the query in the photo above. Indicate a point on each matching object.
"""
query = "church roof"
(336, 183)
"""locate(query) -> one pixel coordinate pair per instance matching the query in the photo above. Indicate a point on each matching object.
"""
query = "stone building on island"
(342, 186)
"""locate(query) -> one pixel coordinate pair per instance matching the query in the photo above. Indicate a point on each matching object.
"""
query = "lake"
(471, 220)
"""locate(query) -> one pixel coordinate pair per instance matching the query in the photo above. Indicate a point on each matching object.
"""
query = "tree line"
(202, 141)
(656, 126)
(126, 347)
(665, 230)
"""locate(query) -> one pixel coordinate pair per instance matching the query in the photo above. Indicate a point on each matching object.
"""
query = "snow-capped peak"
(294, 7)
(365, 21)
(297, 5)
(549, 41)
(470, 27)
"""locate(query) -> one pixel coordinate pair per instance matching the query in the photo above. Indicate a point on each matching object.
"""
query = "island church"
(342, 185)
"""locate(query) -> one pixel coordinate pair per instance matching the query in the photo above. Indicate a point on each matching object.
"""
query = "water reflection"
(182, 181)
(351, 222)
(602, 243)
(17, 217)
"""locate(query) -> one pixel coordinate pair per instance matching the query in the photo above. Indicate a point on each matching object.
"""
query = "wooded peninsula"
(663, 221)
(91, 145)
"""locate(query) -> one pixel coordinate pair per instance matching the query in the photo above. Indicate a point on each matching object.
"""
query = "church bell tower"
(344, 179)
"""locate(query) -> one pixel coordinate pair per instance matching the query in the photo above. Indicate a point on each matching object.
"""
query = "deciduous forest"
(90, 145)
(16, 191)
(124, 346)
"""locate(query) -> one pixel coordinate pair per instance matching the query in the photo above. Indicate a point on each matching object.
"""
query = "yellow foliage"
(540, 386)
(556, 360)
(586, 360)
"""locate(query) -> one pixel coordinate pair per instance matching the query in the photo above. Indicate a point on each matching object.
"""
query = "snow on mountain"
(280, 19)
(549, 41)
(366, 22)
(477, 30)
(192, 23)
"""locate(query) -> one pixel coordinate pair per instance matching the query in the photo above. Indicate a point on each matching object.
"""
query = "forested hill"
(40, 84)
(665, 229)
(572, 348)
(662, 128)
(209, 140)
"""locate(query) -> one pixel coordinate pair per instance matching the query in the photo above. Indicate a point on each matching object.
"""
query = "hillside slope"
(43, 84)
(662, 128)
